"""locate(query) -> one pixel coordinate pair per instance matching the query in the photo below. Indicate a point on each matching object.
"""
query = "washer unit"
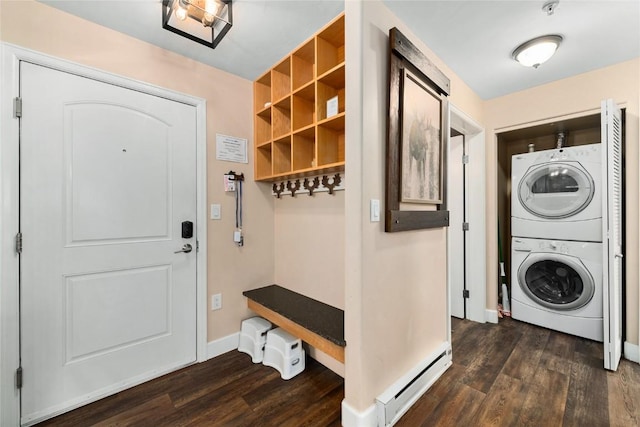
(558, 285)
(557, 194)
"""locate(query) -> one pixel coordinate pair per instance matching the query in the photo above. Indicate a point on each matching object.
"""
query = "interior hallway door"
(108, 175)
(456, 195)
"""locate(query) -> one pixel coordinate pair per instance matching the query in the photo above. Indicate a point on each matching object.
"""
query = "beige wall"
(569, 97)
(396, 306)
(309, 245)
(231, 269)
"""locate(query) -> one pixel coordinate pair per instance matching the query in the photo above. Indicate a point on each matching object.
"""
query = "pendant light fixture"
(203, 21)
(537, 51)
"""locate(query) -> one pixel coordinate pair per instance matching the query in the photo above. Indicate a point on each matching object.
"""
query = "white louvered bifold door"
(611, 124)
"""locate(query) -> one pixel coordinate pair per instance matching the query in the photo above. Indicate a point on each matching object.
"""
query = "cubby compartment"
(281, 80)
(282, 155)
(304, 107)
(281, 118)
(328, 87)
(263, 161)
(303, 64)
(263, 126)
(331, 149)
(304, 149)
(330, 46)
(262, 92)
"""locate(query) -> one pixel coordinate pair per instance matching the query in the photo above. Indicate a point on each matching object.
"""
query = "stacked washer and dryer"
(556, 248)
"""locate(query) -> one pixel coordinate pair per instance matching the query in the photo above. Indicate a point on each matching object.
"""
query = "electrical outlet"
(216, 302)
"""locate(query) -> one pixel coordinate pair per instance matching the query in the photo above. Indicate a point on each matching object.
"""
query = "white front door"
(108, 175)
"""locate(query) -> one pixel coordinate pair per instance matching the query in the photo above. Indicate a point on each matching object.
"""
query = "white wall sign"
(231, 149)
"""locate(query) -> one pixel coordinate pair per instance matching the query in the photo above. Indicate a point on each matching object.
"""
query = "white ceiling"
(475, 38)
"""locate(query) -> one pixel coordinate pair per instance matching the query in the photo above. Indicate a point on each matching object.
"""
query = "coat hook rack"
(310, 185)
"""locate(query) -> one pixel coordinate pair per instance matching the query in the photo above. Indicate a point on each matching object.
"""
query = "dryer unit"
(556, 194)
(558, 285)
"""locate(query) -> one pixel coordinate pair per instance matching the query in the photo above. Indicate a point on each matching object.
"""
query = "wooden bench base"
(313, 339)
(314, 322)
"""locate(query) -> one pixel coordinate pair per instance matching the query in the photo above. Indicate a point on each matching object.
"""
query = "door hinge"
(465, 226)
(19, 243)
(17, 107)
(465, 293)
(19, 378)
(197, 245)
(465, 159)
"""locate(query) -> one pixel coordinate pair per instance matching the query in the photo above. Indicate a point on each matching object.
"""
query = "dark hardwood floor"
(228, 390)
(511, 374)
(516, 374)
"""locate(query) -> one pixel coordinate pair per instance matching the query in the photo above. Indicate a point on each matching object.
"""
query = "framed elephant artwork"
(421, 163)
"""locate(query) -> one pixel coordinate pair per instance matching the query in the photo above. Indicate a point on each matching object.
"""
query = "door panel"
(456, 204)
(107, 176)
(106, 161)
(94, 329)
(611, 123)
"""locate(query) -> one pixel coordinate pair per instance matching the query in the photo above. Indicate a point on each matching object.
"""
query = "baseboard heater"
(398, 398)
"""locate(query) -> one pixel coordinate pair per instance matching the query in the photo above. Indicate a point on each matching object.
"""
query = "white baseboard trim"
(353, 418)
(491, 316)
(222, 345)
(632, 352)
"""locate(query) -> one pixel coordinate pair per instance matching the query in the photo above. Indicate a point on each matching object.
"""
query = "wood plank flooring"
(511, 374)
(228, 390)
(516, 374)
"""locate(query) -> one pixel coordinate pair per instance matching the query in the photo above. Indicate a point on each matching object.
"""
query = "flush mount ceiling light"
(203, 21)
(537, 51)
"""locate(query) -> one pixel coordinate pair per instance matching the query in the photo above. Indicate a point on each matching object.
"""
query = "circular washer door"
(556, 281)
(555, 190)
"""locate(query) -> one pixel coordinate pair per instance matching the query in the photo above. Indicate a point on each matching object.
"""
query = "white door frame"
(476, 259)
(11, 56)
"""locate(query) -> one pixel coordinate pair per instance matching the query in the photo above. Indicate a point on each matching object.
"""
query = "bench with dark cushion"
(314, 322)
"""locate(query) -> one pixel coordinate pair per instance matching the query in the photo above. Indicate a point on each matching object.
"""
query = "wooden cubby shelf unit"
(293, 135)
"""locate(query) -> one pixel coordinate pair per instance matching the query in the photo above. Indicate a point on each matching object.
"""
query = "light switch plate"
(215, 211)
(375, 210)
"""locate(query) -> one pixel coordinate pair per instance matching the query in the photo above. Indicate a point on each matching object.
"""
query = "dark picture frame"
(411, 74)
